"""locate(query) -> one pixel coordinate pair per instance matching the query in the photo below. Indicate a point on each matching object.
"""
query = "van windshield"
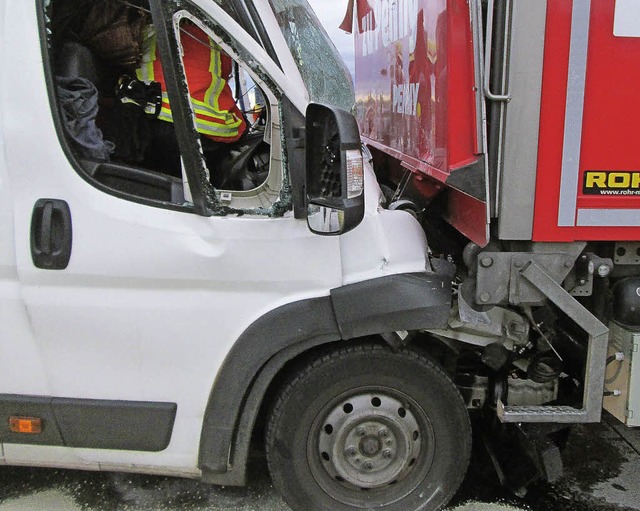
(324, 72)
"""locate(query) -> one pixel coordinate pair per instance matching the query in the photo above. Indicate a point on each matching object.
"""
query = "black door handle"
(51, 234)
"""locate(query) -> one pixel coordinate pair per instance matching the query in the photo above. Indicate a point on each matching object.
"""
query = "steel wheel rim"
(373, 440)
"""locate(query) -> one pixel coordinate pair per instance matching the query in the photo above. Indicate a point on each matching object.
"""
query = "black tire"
(365, 427)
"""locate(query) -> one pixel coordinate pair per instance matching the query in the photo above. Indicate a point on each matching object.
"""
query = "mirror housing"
(335, 170)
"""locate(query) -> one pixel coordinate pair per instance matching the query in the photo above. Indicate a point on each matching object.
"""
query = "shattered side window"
(323, 70)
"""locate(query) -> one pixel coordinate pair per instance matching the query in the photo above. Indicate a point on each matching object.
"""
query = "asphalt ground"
(602, 467)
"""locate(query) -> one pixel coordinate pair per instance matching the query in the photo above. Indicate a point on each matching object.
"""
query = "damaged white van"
(169, 296)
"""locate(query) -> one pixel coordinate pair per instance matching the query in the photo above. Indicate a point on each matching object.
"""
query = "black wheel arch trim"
(406, 301)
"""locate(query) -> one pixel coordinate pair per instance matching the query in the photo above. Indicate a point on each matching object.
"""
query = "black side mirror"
(335, 170)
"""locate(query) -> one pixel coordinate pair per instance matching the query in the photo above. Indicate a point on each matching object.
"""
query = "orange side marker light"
(27, 425)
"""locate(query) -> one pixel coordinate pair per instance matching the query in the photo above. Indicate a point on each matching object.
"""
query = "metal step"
(596, 359)
(557, 414)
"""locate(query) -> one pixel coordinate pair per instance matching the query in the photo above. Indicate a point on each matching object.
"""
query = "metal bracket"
(596, 359)
(579, 287)
(499, 279)
(627, 253)
(580, 281)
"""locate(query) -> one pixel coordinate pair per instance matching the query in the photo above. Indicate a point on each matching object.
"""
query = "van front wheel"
(365, 427)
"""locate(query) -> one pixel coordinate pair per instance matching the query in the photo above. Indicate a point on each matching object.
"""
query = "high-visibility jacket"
(208, 69)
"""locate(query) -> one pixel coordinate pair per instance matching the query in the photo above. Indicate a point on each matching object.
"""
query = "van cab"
(155, 320)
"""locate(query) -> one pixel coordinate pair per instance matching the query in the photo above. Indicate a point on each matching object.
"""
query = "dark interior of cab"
(110, 118)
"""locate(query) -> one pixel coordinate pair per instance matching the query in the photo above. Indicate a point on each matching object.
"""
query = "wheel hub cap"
(369, 440)
(370, 446)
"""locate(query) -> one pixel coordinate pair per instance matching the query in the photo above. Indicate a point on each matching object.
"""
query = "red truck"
(508, 128)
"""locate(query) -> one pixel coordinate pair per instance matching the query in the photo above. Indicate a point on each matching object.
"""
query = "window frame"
(205, 200)
(272, 197)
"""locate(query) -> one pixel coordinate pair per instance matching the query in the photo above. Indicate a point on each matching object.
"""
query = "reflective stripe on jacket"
(208, 69)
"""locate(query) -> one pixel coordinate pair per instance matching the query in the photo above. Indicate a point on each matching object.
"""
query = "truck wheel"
(365, 427)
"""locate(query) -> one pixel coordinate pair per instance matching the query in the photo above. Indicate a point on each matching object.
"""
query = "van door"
(155, 291)
(18, 348)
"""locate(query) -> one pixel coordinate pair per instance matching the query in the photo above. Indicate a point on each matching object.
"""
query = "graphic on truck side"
(611, 183)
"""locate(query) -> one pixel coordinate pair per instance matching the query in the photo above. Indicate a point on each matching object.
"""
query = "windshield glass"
(322, 69)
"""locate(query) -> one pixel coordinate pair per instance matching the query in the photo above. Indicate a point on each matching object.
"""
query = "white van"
(156, 323)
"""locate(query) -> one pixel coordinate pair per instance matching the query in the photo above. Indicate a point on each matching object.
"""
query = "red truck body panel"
(416, 101)
(416, 94)
(609, 141)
